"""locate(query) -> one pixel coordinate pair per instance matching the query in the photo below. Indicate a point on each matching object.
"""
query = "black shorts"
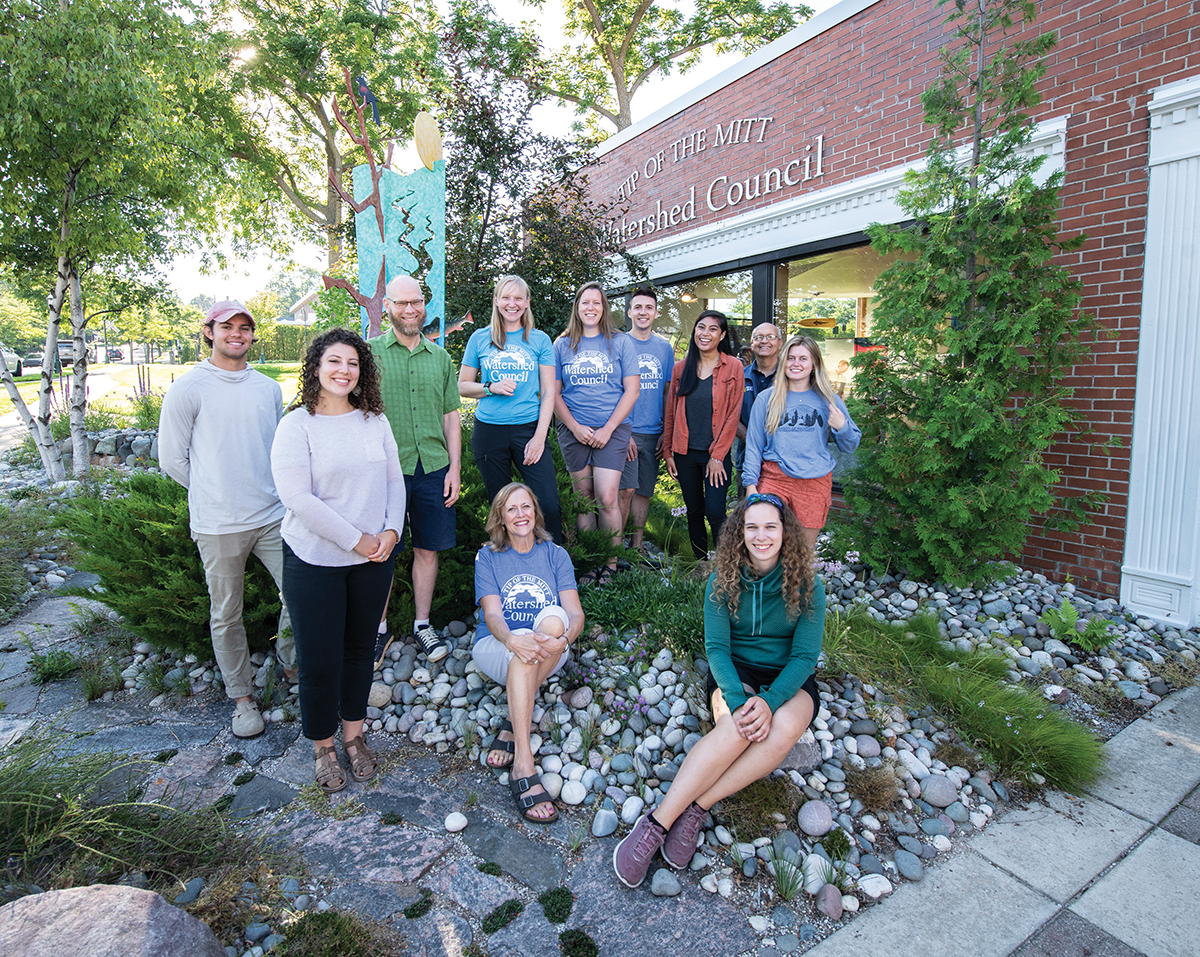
(760, 678)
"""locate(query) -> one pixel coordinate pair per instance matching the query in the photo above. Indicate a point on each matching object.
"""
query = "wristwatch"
(487, 388)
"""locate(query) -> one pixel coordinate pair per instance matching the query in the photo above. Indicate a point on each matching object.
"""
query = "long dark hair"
(366, 394)
(688, 379)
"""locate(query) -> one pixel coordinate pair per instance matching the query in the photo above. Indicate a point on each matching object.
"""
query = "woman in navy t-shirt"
(598, 380)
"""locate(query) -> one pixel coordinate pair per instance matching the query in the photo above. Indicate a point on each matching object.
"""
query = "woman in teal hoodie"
(764, 615)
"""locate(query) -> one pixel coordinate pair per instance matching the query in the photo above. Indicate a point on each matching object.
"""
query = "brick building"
(751, 195)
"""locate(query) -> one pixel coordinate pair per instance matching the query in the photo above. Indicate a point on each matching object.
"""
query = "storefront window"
(830, 297)
(680, 305)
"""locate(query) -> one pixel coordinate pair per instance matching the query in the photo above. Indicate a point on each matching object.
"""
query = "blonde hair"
(818, 380)
(494, 527)
(499, 336)
(574, 330)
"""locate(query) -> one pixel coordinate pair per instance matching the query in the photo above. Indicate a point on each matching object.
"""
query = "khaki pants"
(224, 558)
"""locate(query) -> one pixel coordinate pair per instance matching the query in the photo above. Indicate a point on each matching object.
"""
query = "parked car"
(12, 360)
(33, 360)
(114, 355)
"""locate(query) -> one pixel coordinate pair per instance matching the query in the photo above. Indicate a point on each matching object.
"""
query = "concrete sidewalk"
(1111, 873)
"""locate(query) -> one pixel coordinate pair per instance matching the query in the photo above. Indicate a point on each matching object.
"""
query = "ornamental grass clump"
(1015, 728)
(72, 817)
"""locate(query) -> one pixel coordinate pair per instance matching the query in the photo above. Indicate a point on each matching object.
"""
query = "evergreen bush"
(981, 327)
(454, 597)
(139, 544)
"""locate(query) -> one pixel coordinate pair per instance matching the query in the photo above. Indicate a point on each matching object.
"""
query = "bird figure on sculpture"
(368, 97)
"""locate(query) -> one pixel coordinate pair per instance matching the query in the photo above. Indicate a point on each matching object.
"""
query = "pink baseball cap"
(225, 310)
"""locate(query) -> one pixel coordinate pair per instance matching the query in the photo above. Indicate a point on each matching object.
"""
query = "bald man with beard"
(420, 396)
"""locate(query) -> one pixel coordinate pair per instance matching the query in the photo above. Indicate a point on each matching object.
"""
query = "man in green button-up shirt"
(420, 398)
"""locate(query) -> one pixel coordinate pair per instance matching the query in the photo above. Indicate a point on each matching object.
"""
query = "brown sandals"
(329, 773)
(503, 748)
(364, 763)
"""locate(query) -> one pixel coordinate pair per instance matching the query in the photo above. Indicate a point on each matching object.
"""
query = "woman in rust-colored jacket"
(703, 408)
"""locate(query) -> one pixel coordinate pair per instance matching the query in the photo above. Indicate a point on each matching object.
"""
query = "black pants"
(703, 501)
(335, 617)
(498, 447)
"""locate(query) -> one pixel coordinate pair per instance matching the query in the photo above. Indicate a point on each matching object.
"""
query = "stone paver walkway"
(1111, 873)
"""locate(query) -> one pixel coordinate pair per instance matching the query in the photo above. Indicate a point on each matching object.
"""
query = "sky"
(245, 277)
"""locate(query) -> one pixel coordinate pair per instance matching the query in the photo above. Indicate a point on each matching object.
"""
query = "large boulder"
(102, 921)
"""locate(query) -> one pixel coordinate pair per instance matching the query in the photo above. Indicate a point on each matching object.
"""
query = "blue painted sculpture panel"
(414, 239)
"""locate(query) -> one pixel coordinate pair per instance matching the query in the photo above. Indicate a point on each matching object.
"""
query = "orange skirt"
(809, 499)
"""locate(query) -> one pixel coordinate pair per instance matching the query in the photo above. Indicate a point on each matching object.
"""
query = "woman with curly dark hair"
(764, 615)
(338, 474)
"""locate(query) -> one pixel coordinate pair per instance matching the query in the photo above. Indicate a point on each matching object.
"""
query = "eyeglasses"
(768, 497)
(764, 338)
(406, 303)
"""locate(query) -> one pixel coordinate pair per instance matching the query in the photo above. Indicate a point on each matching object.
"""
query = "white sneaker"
(247, 720)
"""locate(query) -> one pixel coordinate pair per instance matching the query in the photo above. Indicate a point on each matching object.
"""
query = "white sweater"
(339, 477)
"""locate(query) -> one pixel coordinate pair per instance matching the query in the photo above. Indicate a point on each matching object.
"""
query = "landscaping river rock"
(607, 750)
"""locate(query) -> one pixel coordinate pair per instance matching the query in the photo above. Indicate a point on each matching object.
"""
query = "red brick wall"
(859, 85)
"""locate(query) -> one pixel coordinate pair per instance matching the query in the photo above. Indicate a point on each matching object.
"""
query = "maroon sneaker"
(632, 857)
(680, 842)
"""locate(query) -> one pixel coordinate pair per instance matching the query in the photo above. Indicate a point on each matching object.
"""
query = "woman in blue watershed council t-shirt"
(529, 618)
(598, 380)
(515, 365)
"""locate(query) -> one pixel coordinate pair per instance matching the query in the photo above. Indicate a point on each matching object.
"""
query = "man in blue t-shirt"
(656, 359)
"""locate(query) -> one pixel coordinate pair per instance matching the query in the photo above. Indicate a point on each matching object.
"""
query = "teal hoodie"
(762, 635)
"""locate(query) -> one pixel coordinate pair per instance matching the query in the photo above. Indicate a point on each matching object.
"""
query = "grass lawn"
(27, 386)
(119, 399)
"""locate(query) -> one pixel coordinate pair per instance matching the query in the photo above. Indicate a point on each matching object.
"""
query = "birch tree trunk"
(51, 456)
(79, 439)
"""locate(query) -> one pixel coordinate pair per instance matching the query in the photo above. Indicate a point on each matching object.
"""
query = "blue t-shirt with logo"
(518, 360)
(656, 359)
(526, 583)
(591, 375)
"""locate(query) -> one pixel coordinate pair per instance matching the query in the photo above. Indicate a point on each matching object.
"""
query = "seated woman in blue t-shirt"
(520, 574)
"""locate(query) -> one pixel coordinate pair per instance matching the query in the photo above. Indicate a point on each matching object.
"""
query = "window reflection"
(680, 305)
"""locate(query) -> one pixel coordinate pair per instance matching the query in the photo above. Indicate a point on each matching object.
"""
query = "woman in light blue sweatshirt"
(787, 440)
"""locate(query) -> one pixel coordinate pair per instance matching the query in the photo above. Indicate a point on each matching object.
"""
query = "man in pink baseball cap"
(218, 422)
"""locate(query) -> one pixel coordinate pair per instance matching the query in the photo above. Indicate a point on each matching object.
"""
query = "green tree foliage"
(617, 45)
(287, 68)
(293, 283)
(110, 154)
(21, 326)
(981, 327)
(140, 546)
(516, 199)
